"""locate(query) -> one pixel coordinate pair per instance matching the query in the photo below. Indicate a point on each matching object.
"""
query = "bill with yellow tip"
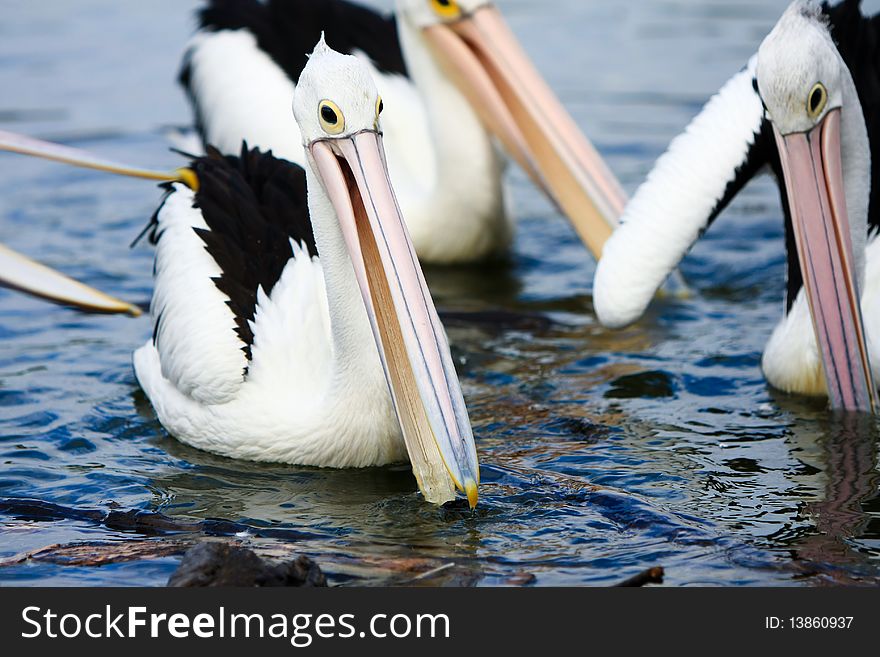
(412, 343)
(21, 273)
(24, 145)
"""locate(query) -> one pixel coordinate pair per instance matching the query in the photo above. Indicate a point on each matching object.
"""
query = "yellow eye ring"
(447, 9)
(379, 107)
(817, 100)
(331, 118)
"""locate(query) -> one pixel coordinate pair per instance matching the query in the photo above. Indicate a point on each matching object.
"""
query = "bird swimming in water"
(292, 322)
(454, 80)
(808, 107)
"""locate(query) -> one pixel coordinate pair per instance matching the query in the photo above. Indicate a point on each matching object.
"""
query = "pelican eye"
(446, 8)
(331, 118)
(817, 100)
(379, 107)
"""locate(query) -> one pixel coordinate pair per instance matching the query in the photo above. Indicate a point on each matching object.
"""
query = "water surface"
(603, 452)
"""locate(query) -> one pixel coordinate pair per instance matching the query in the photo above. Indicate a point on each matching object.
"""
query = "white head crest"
(799, 69)
(335, 96)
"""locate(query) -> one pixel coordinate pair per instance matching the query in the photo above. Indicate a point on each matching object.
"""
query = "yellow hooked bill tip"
(473, 495)
(189, 178)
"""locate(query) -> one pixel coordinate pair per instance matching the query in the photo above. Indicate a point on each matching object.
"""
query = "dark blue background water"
(603, 453)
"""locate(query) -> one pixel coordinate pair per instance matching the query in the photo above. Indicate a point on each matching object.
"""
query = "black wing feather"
(289, 29)
(253, 205)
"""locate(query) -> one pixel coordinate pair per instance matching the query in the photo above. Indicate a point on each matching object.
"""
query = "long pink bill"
(814, 183)
(412, 343)
(487, 62)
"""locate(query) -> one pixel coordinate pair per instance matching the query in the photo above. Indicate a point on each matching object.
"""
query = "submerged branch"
(651, 576)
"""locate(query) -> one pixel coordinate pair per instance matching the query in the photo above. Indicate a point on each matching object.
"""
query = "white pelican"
(270, 303)
(453, 77)
(805, 107)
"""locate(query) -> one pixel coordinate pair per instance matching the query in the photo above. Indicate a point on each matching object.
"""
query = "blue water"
(603, 452)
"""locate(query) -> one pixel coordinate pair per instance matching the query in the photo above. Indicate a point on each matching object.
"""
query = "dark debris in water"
(578, 428)
(644, 385)
(226, 561)
(212, 564)
(148, 523)
(99, 553)
(650, 576)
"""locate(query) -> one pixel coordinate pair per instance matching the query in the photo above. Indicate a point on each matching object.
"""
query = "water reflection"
(849, 449)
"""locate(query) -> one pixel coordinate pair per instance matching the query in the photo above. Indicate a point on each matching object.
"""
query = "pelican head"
(335, 97)
(800, 71)
(338, 110)
(811, 101)
(474, 46)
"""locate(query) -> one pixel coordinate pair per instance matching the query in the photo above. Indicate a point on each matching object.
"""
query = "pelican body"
(806, 107)
(291, 319)
(454, 81)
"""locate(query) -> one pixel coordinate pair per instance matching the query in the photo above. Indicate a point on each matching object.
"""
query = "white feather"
(243, 94)
(668, 212)
(200, 352)
(290, 331)
(300, 402)
(791, 361)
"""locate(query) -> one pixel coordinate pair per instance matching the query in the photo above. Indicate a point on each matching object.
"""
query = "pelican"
(808, 106)
(292, 322)
(454, 79)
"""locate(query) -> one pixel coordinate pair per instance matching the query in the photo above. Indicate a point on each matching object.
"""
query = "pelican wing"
(240, 69)
(220, 253)
(288, 29)
(703, 169)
